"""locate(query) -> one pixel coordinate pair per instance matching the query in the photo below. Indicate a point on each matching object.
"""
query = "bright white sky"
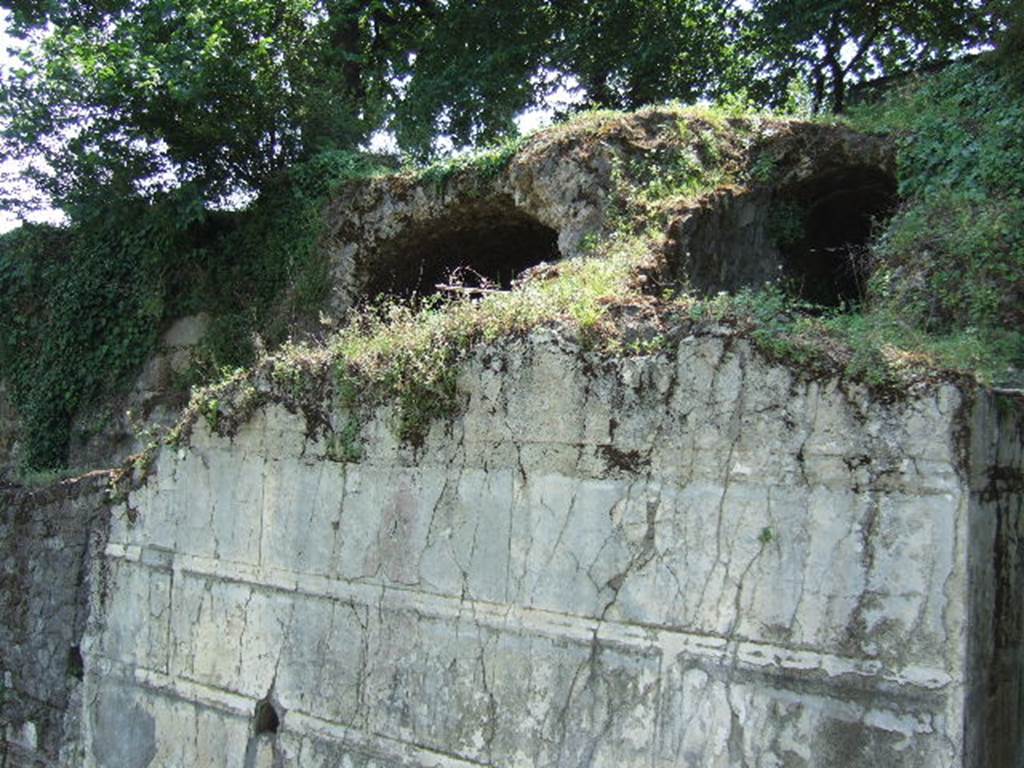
(6, 220)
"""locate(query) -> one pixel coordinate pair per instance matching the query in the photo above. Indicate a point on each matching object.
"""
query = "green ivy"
(266, 271)
(84, 307)
(85, 304)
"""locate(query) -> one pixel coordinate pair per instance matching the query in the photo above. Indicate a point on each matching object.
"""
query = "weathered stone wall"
(49, 540)
(995, 696)
(9, 437)
(689, 559)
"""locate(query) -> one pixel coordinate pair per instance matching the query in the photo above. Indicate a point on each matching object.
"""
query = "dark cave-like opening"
(476, 246)
(265, 719)
(815, 234)
(823, 228)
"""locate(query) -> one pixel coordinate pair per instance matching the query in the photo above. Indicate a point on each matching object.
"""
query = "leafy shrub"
(950, 263)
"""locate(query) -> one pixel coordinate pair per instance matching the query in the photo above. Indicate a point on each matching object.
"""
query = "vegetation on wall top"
(913, 322)
(147, 117)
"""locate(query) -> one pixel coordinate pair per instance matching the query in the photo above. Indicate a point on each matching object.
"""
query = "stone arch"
(479, 243)
(812, 233)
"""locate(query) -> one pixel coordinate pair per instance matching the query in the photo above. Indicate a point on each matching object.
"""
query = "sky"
(7, 221)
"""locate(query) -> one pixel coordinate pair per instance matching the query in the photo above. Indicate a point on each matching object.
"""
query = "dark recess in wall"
(265, 719)
(813, 234)
(477, 245)
(76, 665)
(826, 260)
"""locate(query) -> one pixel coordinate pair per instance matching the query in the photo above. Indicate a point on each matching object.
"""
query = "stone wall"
(995, 696)
(49, 540)
(9, 438)
(695, 558)
(572, 184)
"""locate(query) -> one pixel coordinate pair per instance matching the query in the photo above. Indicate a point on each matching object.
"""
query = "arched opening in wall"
(823, 228)
(265, 718)
(814, 234)
(481, 245)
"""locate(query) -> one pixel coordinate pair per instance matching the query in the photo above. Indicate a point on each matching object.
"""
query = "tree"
(834, 42)
(221, 94)
(1009, 15)
(119, 99)
(472, 72)
(626, 53)
(486, 61)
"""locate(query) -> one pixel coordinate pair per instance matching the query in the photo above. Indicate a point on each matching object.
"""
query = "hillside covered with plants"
(939, 294)
(145, 180)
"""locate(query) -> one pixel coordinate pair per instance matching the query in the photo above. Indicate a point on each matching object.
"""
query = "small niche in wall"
(265, 719)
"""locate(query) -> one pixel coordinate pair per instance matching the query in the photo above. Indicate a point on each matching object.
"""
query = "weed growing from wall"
(84, 305)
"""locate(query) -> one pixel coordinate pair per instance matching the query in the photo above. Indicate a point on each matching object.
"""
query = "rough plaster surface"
(691, 559)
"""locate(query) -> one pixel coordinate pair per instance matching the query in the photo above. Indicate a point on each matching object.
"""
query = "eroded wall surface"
(690, 559)
(50, 539)
(995, 693)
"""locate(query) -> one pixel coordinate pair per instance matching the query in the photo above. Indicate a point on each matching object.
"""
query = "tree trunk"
(838, 91)
(819, 91)
(833, 43)
(345, 39)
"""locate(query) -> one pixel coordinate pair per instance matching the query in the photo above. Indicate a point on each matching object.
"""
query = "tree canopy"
(119, 99)
(834, 42)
